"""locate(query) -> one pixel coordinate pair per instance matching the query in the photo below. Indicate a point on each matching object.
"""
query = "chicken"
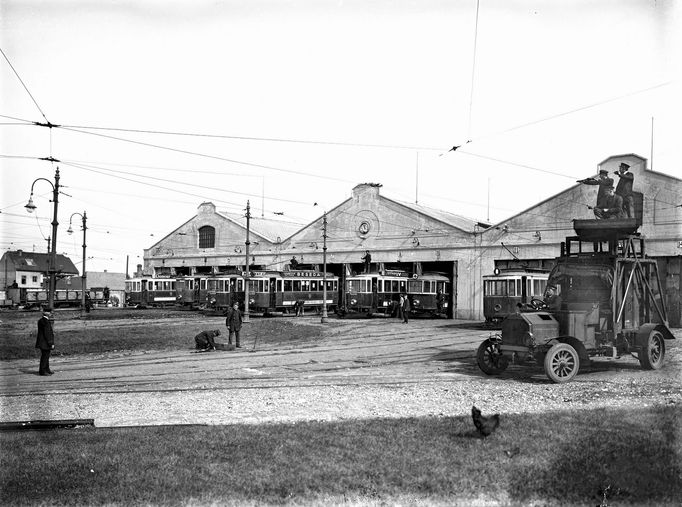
(484, 425)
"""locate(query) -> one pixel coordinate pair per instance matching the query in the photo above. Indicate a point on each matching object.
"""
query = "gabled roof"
(457, 221)
(264, 227)
(38, 262)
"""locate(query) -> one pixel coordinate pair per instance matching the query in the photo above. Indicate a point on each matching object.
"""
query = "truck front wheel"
(651, 356)
(490, 359)
(561, 363)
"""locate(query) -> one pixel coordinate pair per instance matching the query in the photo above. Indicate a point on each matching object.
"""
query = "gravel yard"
(374, 368)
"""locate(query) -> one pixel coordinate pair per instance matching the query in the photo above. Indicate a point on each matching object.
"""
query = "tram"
(269, 291)
(146, 292)
(379, 292)
(506, 289)
(63, 298)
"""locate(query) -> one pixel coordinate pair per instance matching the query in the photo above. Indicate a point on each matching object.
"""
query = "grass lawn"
(106, 331)
(605, 457)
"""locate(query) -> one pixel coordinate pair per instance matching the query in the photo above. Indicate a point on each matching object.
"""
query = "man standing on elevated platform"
(624, 188)
(603, 181)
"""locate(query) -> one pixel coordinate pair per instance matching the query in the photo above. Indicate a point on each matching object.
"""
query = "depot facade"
(417, 239)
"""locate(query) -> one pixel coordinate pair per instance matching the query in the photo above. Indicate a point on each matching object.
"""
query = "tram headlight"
(354, 301)
(416, 302)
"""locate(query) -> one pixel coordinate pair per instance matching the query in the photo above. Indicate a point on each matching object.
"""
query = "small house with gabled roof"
(30, 270)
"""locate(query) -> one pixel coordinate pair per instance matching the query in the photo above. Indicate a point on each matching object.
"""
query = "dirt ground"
(362, 368)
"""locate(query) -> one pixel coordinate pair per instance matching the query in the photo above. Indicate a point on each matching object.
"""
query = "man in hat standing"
(45, 341)
(234, 325)
(624, 188)
(604, 182)
(612, 206)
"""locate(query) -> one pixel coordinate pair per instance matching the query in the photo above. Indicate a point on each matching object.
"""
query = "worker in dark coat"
(367, 259)
(624, 188)
(612, 206)
(603, 181)
(45, 341)
(234, 325)
(406, 308)
(205, 340)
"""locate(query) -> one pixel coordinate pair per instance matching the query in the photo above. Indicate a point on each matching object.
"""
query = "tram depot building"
(410, 237)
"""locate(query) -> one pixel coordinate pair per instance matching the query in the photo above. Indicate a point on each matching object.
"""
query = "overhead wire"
(204, 155)
(24, 85)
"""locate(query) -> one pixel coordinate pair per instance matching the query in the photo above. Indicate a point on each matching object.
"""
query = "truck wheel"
(562, 363)
(652, 355)
(489, 358)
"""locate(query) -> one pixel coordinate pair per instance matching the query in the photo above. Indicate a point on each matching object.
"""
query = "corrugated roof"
(38, 262)
(264, 227)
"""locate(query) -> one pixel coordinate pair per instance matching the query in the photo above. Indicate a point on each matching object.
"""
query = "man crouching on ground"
(204, 340)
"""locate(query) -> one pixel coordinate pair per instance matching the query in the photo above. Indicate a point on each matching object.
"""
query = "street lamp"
(52, 267)
(83, 276)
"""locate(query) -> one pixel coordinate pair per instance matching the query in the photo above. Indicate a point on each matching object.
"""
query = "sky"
(153, 107)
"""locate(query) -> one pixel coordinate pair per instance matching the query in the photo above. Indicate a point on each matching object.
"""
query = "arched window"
(206, 237)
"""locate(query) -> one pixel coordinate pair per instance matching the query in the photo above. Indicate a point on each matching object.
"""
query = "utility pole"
(324, 269)
(83, 276)
(246, 273)
(52, 268)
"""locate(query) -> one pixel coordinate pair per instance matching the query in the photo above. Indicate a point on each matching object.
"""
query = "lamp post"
(52, 268)
(83, 276)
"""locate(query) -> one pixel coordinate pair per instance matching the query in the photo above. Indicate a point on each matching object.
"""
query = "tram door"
(375, 294)
(273, 293)
(145, 293)
(524, 289)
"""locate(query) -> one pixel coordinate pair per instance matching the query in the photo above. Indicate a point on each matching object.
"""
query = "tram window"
(414, 286)
(529, 286)
(539, 287)
(511, 288)
(240, 285)
(313, 285)
(499, 288)
(518, 287)
(394, 286)
(305, 285)
(266, 285)
(287, 285)
(403, 286)
(297, 285)
(380, 286)
(279, 285)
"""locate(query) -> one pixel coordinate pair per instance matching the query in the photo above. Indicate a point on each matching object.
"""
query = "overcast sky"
(287, 103)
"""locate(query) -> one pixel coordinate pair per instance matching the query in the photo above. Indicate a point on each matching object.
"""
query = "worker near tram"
(603, 181)
(624, 188)
(612, 206)
(234, 325)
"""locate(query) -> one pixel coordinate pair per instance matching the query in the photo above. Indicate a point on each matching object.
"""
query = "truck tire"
(489, 359)
(561, 363)
(652, 355)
